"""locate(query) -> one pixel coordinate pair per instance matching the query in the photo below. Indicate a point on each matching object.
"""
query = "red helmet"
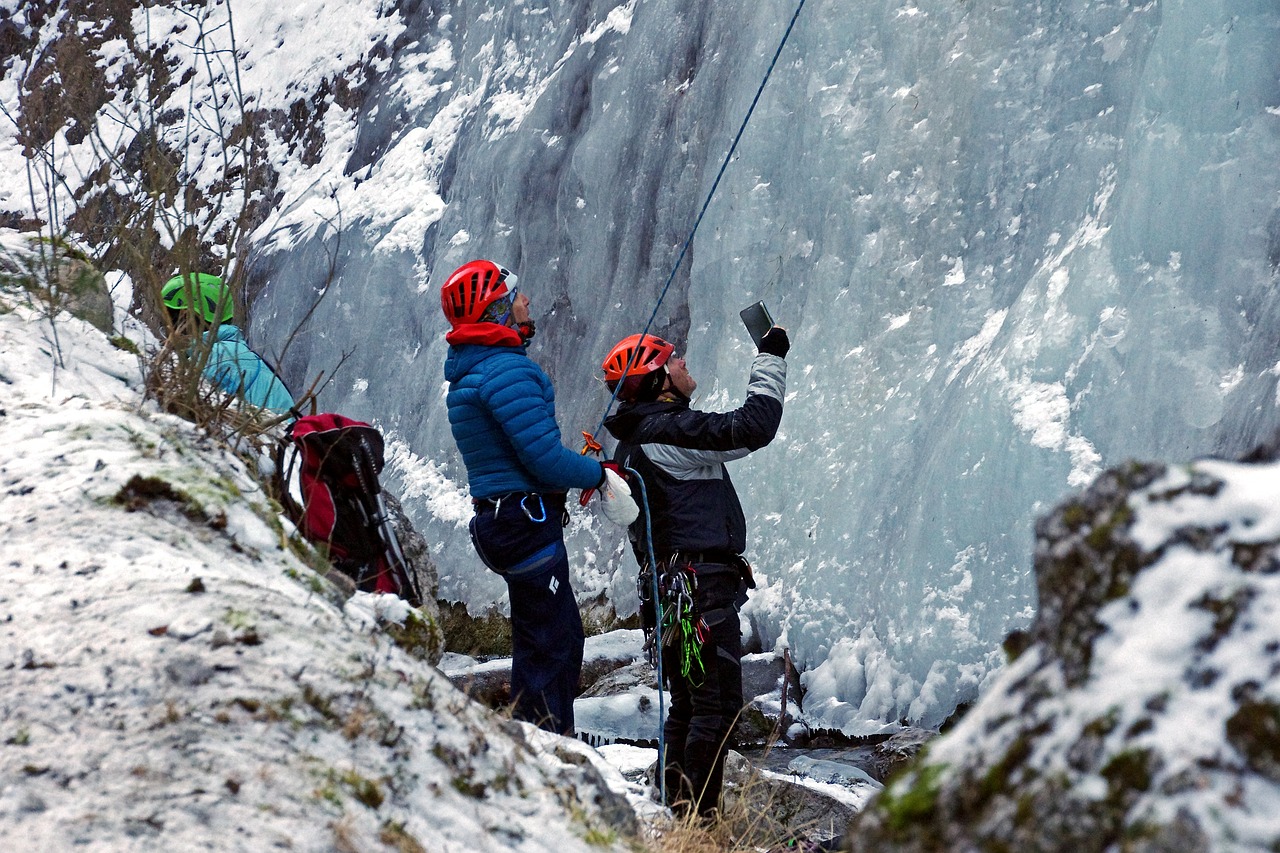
(472, 288)
(636, 356)
(636, 359)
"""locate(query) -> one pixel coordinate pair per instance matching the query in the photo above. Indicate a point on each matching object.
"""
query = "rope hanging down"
(656, 597)
(685, 249)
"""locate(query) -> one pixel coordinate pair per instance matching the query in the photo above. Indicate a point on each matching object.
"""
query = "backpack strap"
(287, 446)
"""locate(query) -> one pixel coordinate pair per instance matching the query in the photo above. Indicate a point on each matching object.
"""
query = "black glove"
(776, 342)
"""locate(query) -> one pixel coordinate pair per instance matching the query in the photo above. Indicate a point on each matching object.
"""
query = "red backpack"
(338, 461)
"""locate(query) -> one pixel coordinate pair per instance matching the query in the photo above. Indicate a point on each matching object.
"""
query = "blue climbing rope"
(706, 204)
(656, 597)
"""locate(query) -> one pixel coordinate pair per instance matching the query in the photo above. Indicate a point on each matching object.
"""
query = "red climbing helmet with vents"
(472, 288)
(636, 356)
(637, 363)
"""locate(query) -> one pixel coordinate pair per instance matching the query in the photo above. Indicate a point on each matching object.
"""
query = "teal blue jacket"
(236, 369)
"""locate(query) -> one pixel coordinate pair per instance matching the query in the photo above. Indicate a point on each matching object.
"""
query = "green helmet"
(212, 297)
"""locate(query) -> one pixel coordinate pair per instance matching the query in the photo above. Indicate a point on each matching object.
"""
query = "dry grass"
(749, 823)
(757, 814)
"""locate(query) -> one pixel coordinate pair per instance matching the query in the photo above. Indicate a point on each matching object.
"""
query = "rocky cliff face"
(1143, 712)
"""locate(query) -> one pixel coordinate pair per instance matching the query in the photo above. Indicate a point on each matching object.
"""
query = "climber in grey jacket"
(699, 534)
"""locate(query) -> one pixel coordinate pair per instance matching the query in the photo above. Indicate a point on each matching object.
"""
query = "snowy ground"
(631, 711)
(172, 677)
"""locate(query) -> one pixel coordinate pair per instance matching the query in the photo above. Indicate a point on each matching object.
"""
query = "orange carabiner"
(590, 445)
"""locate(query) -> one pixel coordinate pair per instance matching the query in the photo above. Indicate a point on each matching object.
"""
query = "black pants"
(521, 538)
(704, 705)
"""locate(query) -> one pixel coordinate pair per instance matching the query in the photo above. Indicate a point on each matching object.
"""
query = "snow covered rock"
(622, 707)
(418, 554)
(1144, 711)
(764, 718)
(813, 800)
(174, 677)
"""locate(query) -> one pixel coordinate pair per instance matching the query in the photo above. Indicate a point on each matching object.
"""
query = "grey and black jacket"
(681, 454)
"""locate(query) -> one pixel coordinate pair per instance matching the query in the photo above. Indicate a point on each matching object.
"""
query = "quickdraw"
(683, 629)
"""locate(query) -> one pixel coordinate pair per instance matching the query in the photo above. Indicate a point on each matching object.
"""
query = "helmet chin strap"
(671, 394)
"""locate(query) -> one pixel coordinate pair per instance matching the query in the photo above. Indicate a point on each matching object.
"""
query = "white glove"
(615, 500)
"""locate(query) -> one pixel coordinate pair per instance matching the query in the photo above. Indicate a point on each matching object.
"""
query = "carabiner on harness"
(542, 507)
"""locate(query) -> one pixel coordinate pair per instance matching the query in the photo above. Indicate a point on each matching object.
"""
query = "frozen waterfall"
(1015, 243)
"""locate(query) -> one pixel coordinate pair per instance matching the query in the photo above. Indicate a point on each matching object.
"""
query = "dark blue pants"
(521, 538)
(705, 704)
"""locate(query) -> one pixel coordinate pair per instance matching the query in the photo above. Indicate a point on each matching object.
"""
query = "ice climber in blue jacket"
(232, 365)
(502, 413)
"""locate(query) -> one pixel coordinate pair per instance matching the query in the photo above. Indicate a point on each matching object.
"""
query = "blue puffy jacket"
(503, 416)
(236, 369)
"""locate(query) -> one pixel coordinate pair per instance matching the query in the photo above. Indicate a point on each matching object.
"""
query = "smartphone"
(757, 320)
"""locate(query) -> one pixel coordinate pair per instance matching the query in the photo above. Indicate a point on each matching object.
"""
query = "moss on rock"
(1254, 731)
